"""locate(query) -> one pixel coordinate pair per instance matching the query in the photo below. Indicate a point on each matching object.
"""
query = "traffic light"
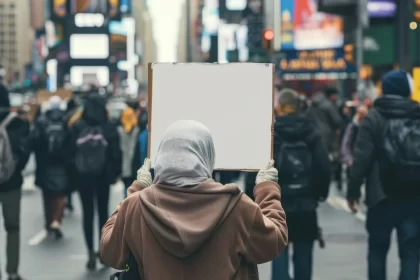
(417, 10)
(349, 53)
(268, 36)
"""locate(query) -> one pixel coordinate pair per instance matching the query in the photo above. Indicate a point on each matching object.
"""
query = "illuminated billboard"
(89, 46)
(304, 28)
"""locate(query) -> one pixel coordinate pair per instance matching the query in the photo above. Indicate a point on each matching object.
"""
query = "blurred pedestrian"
(71, 110)
(14, 154)
(304, 176)
(143, 139)
(129, 132)
(186, 222)
(350, 135)
(98, 164)
(52, 147)
(386, 157)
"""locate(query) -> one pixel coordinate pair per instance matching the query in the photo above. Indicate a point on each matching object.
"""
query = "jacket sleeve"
(363, 153)
(346, 150)
(268, 236)
(321, 168)
(114, 249)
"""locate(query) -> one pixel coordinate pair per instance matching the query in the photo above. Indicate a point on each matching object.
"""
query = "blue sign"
(125, 6)
(315, 62)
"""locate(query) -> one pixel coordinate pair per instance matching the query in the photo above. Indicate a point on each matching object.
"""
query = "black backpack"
(56, 134)
(399, 158)
(294, 164)
(91, 151)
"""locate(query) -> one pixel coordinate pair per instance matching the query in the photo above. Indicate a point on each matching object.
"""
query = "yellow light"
(413, 25)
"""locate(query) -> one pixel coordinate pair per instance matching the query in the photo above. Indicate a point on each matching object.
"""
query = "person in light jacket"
(186, 226)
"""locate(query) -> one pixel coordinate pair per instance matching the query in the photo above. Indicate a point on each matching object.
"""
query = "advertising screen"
(382, 8)
(89, 46)
(210, 18)
(89, 6)
(114, 8)
(54, 33)
(236, 5)
(304, 28)
(233, 42)
(83, 75)
(125, 6)
(118, 41)
(59, 8)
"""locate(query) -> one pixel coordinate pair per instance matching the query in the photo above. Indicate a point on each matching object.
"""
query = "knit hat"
(4, 97)
(397, 83)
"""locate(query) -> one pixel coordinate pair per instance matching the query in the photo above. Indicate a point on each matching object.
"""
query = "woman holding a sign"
(184, 225)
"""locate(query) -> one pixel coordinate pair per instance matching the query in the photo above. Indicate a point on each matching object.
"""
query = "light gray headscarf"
(186, 155)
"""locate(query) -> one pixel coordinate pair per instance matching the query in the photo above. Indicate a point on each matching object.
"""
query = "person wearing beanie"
(379, 160)
(17, 131)
(397, 83)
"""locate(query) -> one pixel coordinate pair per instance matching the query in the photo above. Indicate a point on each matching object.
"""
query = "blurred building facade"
(193, 37)
(16, 36)
(144, 34)
(38, 13)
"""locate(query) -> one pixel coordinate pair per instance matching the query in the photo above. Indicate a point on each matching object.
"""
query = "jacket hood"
(94, 111)
(182, 219)
(55, 114)
(397, 107)
(292, 127)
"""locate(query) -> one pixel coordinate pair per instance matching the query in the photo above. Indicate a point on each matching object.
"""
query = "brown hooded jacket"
(207, 232)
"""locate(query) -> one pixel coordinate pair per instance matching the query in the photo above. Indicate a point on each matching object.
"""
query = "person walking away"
(186, 226)
(51, 144)
(14, 154)
(386, 155)
(349, 138)
(128, 132)
(97, 159)
(327, 118)
(304, 177)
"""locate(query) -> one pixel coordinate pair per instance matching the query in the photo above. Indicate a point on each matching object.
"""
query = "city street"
(47, 259)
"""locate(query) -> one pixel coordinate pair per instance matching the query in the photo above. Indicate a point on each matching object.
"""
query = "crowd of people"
(178, 222)
(77, 148)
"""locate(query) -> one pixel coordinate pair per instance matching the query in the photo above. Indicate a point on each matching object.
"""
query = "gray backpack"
(7, 160)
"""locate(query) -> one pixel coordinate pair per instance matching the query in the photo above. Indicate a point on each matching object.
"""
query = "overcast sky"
(165, 14)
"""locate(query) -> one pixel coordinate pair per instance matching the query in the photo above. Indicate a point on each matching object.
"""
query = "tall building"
(144, 34)
(193, 37)
(16, 38)
(38, 13)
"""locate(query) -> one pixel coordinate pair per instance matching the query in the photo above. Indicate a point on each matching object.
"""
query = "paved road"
(47, 259)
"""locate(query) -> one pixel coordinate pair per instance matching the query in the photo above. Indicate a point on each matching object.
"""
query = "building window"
(12, 5)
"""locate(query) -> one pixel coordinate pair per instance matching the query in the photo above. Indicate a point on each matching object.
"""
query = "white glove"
(144, 176)
(267, 174)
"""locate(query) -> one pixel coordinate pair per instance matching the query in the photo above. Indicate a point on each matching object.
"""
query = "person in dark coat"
(18, 131)
(386, 213)
(327, 117)
(291, 126)
(52, 163)
(94, 189)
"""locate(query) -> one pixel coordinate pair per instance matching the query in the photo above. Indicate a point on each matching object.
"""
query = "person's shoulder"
(245, 207)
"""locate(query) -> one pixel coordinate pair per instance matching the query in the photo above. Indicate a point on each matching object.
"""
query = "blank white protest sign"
(235, 101)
